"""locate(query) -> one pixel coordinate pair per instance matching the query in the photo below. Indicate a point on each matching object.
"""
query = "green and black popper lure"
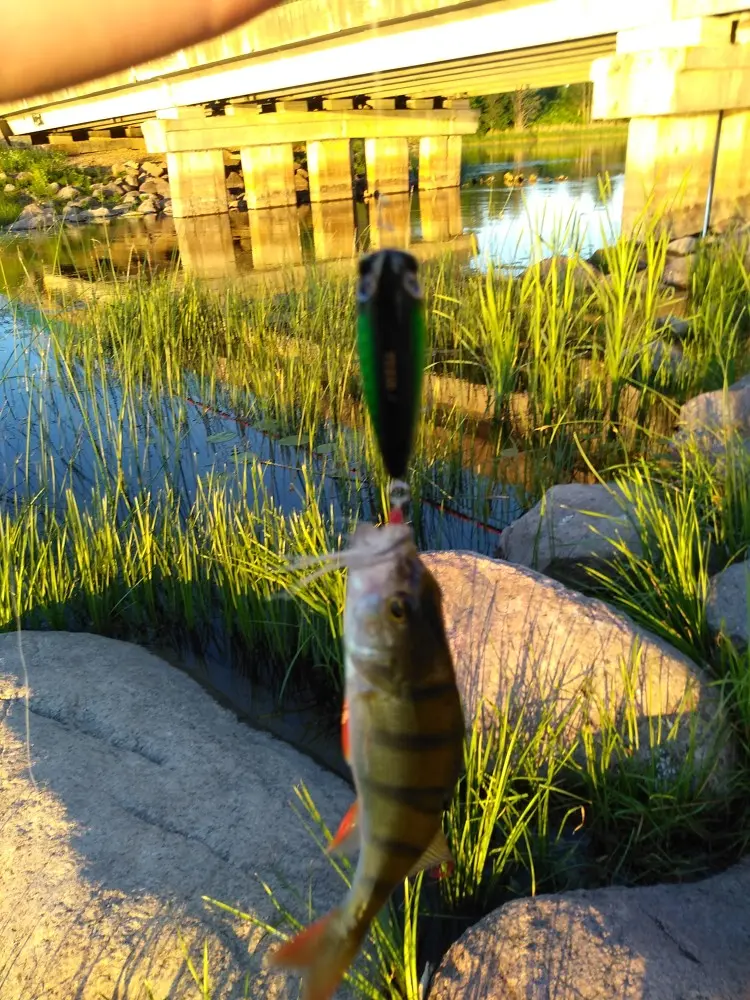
(391, 341)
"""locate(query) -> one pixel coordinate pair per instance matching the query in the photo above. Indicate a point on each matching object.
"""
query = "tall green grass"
(120, 517)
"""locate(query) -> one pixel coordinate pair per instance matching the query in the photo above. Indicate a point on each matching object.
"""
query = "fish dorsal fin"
(436, 854)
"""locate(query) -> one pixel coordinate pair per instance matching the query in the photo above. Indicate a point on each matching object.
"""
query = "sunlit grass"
(177, 447)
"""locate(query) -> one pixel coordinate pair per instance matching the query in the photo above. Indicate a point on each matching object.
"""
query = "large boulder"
(712, 420)
(574, 526)
(663, 942)
(126, 795)
(726, 609)
(523, 641)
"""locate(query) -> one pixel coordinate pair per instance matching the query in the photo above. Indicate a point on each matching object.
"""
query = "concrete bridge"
(326, 71)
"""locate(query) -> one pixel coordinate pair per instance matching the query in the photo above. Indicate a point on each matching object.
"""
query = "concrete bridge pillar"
(387, 165)
(329, 166)
(269, 175)
(685, 86)
(439, 162)
(197, 185)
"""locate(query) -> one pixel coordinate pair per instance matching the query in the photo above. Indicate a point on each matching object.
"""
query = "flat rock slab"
(573, 526)
(142, 796)
(520, 639)
(664, 942)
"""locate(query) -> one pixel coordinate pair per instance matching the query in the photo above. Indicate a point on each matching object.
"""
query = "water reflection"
(512, 225)
(206, 246)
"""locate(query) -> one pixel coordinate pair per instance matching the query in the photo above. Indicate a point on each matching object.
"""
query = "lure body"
(391, 340)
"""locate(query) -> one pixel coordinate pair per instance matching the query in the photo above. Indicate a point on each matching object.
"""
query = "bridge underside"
(538, 66)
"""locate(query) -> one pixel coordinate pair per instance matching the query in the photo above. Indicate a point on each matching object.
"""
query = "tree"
(526, 105)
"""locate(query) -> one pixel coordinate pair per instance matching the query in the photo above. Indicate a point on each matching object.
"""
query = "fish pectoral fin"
(436, 854)
(346, 839)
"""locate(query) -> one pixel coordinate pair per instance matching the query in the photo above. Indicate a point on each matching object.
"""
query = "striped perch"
(405, 743)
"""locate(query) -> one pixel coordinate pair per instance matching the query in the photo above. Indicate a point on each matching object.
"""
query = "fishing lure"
(391, 341)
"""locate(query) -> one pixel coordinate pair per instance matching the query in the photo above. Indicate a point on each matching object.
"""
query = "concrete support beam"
(439, 162)
(691, 31)
(329, 166)
(269, 176)
(197, 183)
(191, 113)
(240, 128)
(681, 97)
(387, 165)
(672, 82)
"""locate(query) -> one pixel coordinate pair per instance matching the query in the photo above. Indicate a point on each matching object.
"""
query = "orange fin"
(346, 837)
(345, 730)
(324, 951)
(437, 854)
(303, 948)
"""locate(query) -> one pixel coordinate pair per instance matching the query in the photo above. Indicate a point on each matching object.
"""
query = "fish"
(403, 732)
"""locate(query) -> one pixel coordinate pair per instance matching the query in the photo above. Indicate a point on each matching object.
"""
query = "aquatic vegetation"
(168, 448)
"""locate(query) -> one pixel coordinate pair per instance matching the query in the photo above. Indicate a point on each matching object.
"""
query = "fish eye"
(412, 285)
(397, 609)
(366, 287)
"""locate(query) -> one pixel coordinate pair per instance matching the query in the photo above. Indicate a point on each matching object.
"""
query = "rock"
(132, 166)
(98, 214)
(148, 207)
(167, 207)
(68, 193)
(726, 608)
(9, 188)
(677, 271)
(521, 639)
(582, 273)
(53, 188)
(674, 326)
(661, 942)
(302, 172)
(110, 191)
(572, 527)
(131, 181)
(33, 217)
(145, 795)
(153, 169)
(130, 198)
(301, 183)
(665, 356)
(155, 186)
(24, 176)
(235, 182)
(710, 420)
(3, 176)
(683, 247)
(118, 168)
(73, 215)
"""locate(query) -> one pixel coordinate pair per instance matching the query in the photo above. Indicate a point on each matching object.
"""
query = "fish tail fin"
(324, 950)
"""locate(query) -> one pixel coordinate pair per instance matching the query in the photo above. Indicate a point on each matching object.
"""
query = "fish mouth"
(368, 546)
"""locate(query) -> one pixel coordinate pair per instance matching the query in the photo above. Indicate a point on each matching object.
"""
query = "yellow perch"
(406, 730)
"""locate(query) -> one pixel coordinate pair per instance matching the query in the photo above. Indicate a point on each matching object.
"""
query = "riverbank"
(168, 449)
